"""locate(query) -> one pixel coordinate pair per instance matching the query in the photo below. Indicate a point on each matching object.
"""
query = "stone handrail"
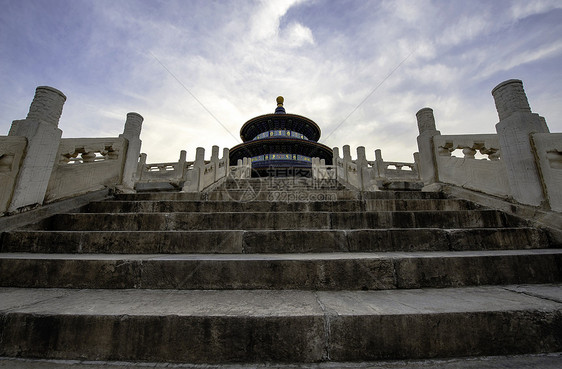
(171, 172)
(321, 171)
(485, 175)
(12, 150)
(242, 169)
(354, 174)
(522, 162)
(37, 166)
(204, 176)
(548, 151)
(192, 176)
(364, 175)
(388, 172)
(86, 164)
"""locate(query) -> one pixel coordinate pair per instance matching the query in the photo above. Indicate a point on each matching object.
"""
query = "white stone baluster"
(427, 130)
(516, 123)
(131, 132)
(40, 127)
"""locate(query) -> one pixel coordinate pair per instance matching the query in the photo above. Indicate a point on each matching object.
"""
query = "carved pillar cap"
(510, 97)
(46, 105)
(426, 120)
(133, 125)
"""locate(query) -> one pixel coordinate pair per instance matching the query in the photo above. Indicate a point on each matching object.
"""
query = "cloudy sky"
(197, 70)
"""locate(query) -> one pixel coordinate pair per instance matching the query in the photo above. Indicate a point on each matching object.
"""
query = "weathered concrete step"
(547, 360)
(272, 241)
(114, 206)
(279, 220)
(308, 195)
(319, 271)
(279, 326)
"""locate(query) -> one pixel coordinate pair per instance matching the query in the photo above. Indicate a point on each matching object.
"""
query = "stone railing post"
(226, 157)
(181, 164)
(362, 169)
(194, 179)
(215, 162)
(131, 132)
(335, 159)
(516, 124)
(346, 161)
(427, 130)
(379, 163)
(140, 166)
(315, 170)
(417, 162)
(40, 127)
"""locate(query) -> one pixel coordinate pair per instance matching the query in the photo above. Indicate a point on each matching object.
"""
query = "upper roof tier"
(280, 120)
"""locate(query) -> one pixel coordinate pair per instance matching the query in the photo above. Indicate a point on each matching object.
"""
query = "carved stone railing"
(242, 169)
(191, 176)
(86, 164)
(521, 162)
(321, 171)
(204, 176)
(457, 164)
(37, 166)
(173, 173)
(548, 151)
(12, 150)
(384, 173)
(354, 174)
(364, 175)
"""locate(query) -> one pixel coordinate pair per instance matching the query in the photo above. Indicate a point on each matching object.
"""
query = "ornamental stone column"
(40, 127)
(516, 124)
(427, 130)
(131, 132)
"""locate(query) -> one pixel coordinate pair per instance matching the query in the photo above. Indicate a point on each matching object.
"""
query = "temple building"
(280, 144)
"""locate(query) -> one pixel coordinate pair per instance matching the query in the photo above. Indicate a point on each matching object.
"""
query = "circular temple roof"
(281, 145)
(279, 120)
(269, 122)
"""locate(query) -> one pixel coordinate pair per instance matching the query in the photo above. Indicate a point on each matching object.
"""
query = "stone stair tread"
(224, 194)
(282, 257)
(209, 326)
(273, 241)
(280, 220)
(529, 361)
(57, 301)
(122, 206)
(313, 271)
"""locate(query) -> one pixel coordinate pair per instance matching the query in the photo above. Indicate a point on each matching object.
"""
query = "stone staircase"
(279, 271)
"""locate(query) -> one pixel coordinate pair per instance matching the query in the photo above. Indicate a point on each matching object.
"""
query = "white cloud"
(524, 8)
(236, 57)
(297, 35)
(465, 29)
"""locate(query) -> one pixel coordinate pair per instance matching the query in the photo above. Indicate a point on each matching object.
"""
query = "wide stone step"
(279, 326)
(319, 271)
(278, 220)
(543, 360)
(273, 241)
(276, 206)
(289, 195)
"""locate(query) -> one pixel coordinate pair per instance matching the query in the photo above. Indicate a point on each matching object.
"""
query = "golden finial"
(280, 100)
